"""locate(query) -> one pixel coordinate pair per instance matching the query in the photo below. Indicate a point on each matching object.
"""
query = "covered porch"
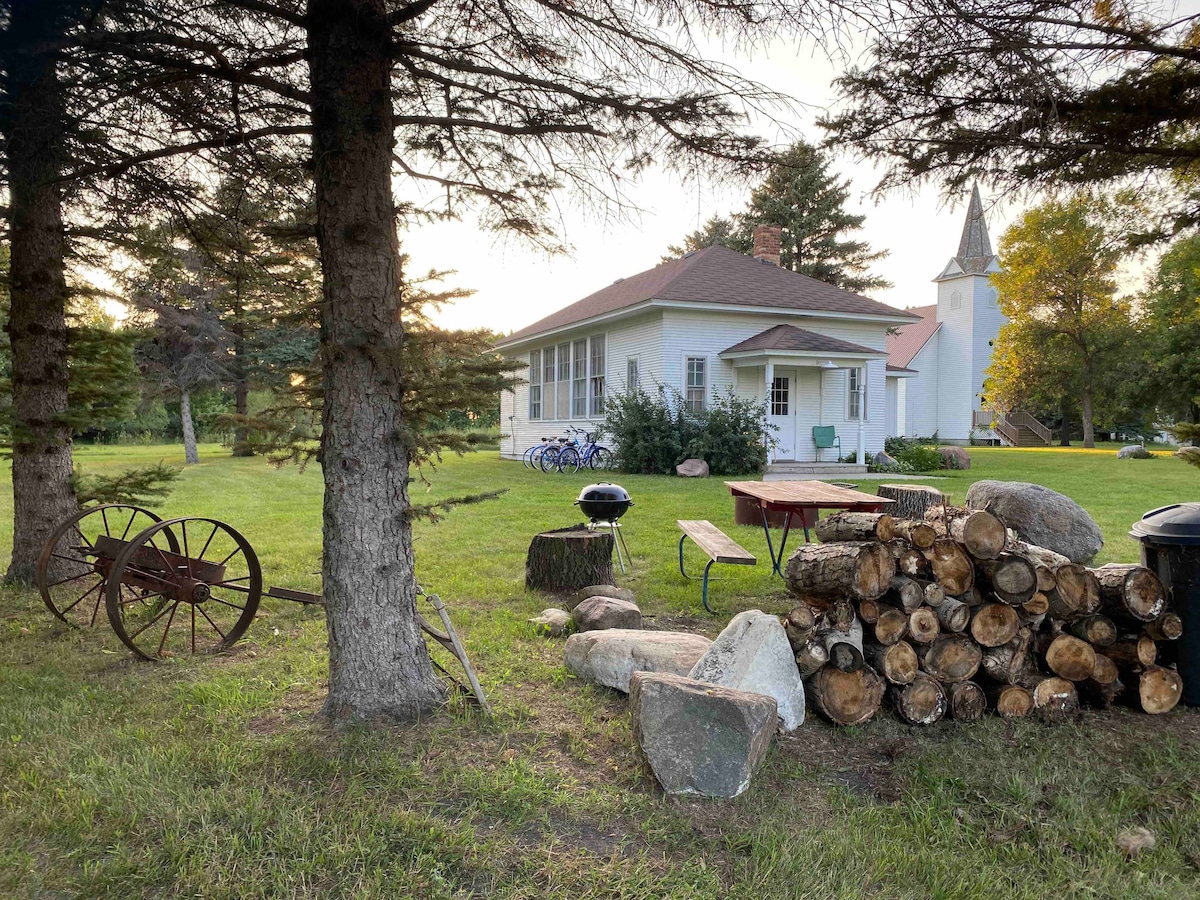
(808, 381)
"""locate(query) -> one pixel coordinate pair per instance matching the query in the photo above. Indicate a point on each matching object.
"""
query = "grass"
(211, 777)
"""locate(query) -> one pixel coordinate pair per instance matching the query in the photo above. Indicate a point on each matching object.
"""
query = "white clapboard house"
(707, 322)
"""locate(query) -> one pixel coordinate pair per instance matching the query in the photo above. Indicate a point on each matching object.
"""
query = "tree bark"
(1010, 662)
(1064, 434)
(379, 666)
(980, 532)
(920, 534)
(37, 329)
(1131, 592)
(569, 559)
(1085, 405)
(846, 569)
(855, 526)
(910, 500)
(190, 454)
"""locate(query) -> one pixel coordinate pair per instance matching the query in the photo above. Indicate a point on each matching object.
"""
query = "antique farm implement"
(171, 586)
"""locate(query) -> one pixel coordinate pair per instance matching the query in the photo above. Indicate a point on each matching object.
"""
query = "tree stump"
(911, 500)
(568, 559)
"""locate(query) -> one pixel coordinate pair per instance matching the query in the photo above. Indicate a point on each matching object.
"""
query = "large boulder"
(1040, 516)
(954, 458)
(611, 657)
(1134, 451)
(692, 468)
(882, 461)
(753, 654)
(599, 613)
(552, 622)
(700, 738)
(600, 590)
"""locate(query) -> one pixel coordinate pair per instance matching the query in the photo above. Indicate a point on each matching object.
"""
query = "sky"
(517, 285)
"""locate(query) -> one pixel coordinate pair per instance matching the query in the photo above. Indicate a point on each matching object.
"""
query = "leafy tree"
(1066, 327)
(1028, 93)
(1171, 319)
(808, 202)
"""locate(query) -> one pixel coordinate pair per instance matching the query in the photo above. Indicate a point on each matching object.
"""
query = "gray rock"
(882, 461)
(700, 738)
(692, 468)
(1134, 451)
(753, 654)
(1040, 516)
(600, 590)
(552, 622)
(611, 657)
(954, 458)
(598, 613)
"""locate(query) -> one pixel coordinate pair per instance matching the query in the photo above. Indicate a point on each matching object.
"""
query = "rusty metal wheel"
(198, 599)
(73, 566)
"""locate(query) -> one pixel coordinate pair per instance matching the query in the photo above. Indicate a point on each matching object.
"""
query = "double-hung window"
(633, 373)
(564, 380)
(535, 384)
(857, 394)
(549, 370)
(596, 394)
(579, 360)
(695, 384)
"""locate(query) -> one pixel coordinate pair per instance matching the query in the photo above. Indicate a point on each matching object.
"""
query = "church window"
(955, 300)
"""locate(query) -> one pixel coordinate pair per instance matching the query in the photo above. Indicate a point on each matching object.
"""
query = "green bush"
(653, 433)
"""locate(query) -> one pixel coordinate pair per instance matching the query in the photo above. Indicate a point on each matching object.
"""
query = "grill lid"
(605, 491)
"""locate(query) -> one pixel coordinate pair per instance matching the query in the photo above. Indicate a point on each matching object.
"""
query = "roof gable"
(714, 276)
(903, 347)
(789, 337)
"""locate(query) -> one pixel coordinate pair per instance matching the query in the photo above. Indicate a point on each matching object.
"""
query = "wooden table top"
(803, 493)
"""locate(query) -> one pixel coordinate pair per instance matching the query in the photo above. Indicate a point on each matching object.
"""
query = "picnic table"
(803, 497)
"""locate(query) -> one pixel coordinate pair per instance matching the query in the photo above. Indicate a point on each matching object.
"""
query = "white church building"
(823, 361)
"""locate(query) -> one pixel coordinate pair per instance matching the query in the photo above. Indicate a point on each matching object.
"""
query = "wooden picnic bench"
(719, 546)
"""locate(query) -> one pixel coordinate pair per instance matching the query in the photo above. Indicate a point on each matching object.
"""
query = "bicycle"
(595, 455)
(532, 457)
(553, 457)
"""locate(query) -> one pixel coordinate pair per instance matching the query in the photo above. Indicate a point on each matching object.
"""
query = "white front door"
(781, 412)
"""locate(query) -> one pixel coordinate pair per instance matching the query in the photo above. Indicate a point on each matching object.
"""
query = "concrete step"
(800, 468)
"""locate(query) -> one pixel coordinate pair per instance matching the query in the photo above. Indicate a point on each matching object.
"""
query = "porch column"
(769, 378)
(901, 407)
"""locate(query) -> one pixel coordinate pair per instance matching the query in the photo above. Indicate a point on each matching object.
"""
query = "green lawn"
(209, 777)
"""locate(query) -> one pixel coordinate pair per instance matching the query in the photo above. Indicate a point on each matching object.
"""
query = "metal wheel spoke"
(140, 598)
(74, 559)
(72, 578)
(104, 516)
(160, 614)
(206, 543)
(232, 553)
(96, 608)
(128, 525)
(226, 602)
(83, 537)
(163, 641)
(211, 622)
(67, 609)
(183, 526)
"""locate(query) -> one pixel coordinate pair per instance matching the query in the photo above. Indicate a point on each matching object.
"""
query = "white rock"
(610, 657)
(753, 654)
(552, 622)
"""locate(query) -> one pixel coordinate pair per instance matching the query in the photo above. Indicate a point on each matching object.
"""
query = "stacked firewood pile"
(952, 615)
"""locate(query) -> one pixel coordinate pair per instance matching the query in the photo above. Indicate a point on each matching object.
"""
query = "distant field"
(209, 777)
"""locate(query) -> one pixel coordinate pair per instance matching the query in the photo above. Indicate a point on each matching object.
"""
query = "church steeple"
(975, 256)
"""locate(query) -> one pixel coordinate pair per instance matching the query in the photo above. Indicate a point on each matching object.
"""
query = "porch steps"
(815, 469)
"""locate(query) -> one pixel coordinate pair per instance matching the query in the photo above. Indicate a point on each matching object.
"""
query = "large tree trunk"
(379, 666)
(190, 453)
(37, 329)
(1085, 403)
(241, 384)
(1064, 434)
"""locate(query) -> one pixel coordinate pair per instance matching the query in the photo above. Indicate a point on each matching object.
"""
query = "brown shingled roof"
(903, 347)
(789, 337)
(714, 275)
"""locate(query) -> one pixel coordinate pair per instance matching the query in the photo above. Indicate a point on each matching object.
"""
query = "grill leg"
(618, 543)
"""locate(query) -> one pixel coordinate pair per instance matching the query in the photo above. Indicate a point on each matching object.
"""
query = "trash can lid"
(1175, 524)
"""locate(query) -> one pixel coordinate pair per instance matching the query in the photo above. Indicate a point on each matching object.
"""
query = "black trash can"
(1170, 539)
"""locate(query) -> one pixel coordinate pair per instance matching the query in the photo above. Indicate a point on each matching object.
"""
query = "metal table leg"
(770, 547)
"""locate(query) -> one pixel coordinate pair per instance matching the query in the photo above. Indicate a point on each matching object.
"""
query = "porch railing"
(1008, 426)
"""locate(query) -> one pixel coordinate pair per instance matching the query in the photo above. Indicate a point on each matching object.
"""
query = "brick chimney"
(766, 243)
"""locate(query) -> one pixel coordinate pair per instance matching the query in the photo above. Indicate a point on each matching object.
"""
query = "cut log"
(923, 625)
(568, 559)
(1076, 593)
(859, 569)
(1100, 694)
(1133, 652)
(840, 615)
(1099, 631)
(918, 533)
(994, 624)
(935, 594)
(1159, 689)
(1037, 605)
(954, 615)
(891, 625)
(868, 611)
(1045, 562)
(1012, 578)
(1070, 658)
(980, 532)
(845, 647)
(1167, 627)
(973, 598)
(799, 624)
(1053, 695)
(811, 657)
(912, 562)
(905, 593)
(896, 547)
(1130, 591)
(968, 703)
(1009, 663)
(910, 501)
(921, 703)
(897, 663)
(1011, 701)
(1106, 671)
(847, 698)
(952, 658)
(951, 566)
(855, 526)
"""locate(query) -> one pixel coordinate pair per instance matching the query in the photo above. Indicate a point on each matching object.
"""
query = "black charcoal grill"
(604, 504)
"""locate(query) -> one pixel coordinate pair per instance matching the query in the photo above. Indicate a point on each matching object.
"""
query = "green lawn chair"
(826, 436)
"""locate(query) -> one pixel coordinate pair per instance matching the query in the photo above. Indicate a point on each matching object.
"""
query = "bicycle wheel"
(568, 460)
(546, 460)
(527, 459)
(601, 458)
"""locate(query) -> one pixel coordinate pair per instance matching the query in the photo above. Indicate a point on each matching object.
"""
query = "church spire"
(975, 256)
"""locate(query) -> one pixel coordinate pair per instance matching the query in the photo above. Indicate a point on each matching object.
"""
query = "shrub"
(653, 432)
